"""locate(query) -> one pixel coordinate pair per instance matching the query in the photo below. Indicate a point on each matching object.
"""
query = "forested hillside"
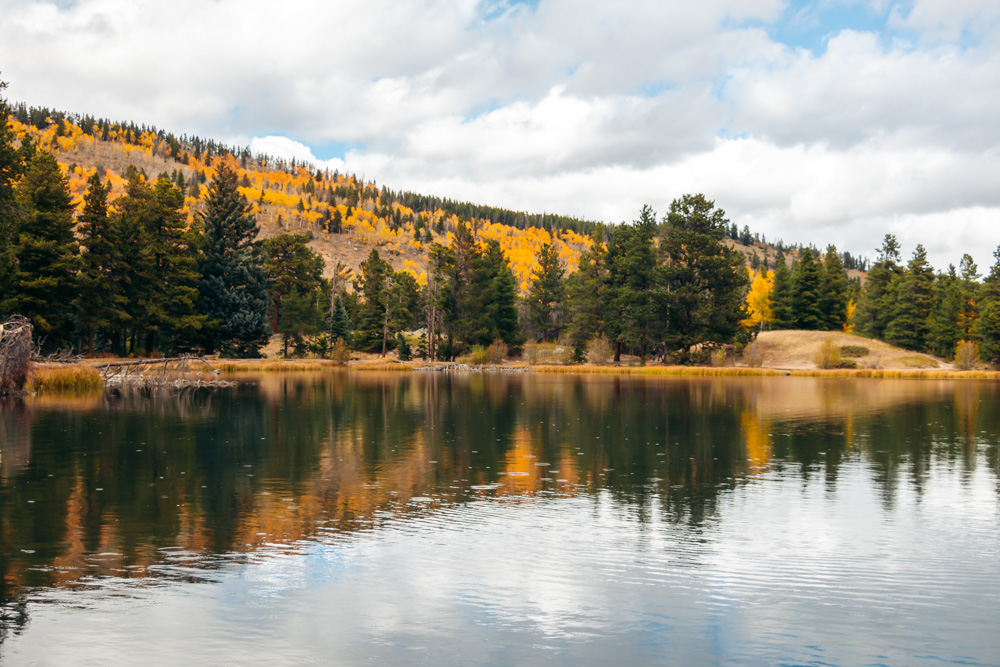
(125, 239)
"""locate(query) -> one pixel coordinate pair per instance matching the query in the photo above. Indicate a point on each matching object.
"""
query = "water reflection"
(173, 487)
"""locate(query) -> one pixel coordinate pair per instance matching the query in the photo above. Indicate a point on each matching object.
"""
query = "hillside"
(345, 216)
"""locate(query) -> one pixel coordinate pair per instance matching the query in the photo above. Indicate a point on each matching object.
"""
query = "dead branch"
(15, 354)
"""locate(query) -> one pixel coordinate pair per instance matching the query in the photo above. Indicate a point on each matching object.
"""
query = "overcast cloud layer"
(834, 121)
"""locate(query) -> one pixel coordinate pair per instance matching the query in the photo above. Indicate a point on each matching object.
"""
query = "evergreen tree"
(877, 303)
(546, 295)
(291, 265)
(300, 317)
(781, 296)
(706, 281)
(945, 325)
(340, 323)
(635, 308)
(47, 254)
(970, 288)
(807, 283)
(233, 288)
(910, 322)
(502, 302)
(834, 291)
(11, 168)
(585, 298)
(987, 327)
(373, 288)
(100, 302)
(171, 320)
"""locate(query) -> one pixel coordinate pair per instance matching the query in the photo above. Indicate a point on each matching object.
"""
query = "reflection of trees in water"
(288, 456)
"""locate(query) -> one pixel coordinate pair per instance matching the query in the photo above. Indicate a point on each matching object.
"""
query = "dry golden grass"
(266, 365)
(81, 377)
(698, 371)
(796, 350)
(384, 366)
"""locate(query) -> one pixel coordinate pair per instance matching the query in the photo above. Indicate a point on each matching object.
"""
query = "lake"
(430, 518)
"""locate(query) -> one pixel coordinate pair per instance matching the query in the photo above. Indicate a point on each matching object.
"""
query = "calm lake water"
(487, 519)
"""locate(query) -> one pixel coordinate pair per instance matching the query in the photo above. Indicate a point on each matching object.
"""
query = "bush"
(966, 355)
(854, 351)
(531, 349)
(753, 355)
(496, 352)
(828, 355)
(599, 350)
(339, 352)
(719, 357)
(477, 356)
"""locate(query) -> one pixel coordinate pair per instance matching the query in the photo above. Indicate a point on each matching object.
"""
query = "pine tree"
(100, 303)
(546, 295)
(987, 327)
(834, 291)
(373, 288)
(781, 296)
(11, 168)
(878, 300)
(636, 311)
(233, 288)
(911, 316)
(807, 282)
(291, 265)
(970, 289)
(502, 302)
(945, 324)
(44, 285)
(340, 323)
(585, 298)
(706, 280)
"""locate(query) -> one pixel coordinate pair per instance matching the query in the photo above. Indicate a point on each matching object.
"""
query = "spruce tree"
(47, 253)
(945, 322)
(546, 295)
(834, 291)
(705, 280)
(781, 296)
(233, 288)
(100, 303)
(373, 288)
(910, 322)
(987, 327)
(806, 286)
(585, 298)
(636, 311)
(340, 323)
(502, 304)
(11, 168)
(970, 288)
(878, 300)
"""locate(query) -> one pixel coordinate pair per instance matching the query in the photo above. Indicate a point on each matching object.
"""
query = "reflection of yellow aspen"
(521, 473)
(757, 438)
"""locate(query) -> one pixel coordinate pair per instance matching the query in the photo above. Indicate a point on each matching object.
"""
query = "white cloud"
(587, 108)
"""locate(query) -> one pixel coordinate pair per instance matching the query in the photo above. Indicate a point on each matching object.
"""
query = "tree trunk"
(618, 351)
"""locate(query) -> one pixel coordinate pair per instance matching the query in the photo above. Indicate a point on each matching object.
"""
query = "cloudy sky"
(829, 121)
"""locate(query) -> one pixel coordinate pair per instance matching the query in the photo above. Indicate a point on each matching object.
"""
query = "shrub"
(753, 355)
(828, 355)
(477, 356)
(531, 349)
(339, 352)
(854, 351)
(599, 350)
(497, 351)
(719, 357)
(966, 355)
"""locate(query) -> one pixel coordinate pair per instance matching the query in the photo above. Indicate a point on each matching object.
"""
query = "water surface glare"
(453, 519)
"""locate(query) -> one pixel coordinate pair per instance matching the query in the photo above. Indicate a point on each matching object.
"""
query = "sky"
(834, 121)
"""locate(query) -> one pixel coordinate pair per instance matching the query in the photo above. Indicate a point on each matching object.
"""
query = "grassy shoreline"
(84, 377)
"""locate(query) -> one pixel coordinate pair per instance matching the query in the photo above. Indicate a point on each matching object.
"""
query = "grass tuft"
(64, 377)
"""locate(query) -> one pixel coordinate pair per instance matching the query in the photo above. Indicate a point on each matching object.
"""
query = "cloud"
(580, 107)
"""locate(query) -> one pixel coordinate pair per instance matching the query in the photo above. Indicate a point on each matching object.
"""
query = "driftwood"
(170, 373)
(15, 354)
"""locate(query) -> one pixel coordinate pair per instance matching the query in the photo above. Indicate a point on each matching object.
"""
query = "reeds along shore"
(78, 377)
(83, 377)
